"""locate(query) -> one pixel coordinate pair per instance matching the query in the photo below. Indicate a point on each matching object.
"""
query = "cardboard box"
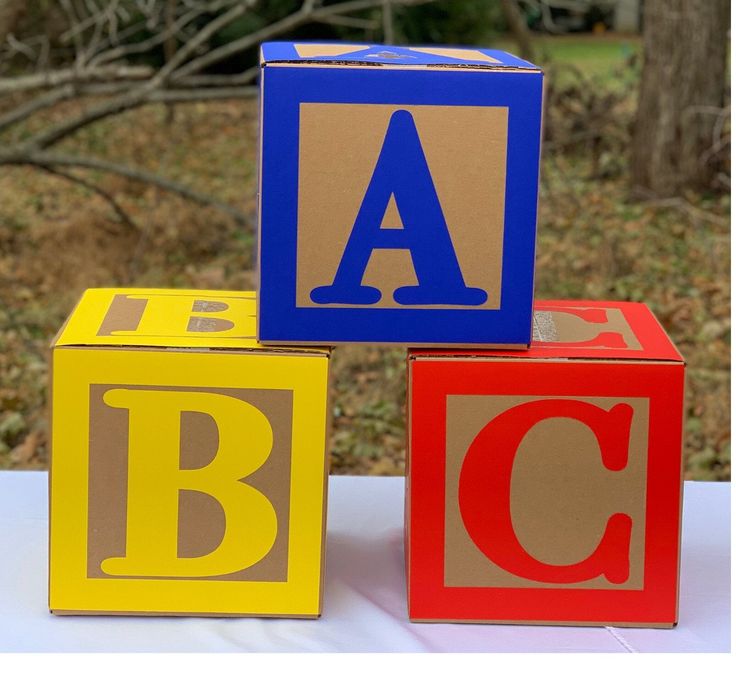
(398, 195)
(188, 468)
(544, 486)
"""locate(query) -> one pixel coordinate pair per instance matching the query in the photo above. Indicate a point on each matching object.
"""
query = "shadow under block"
(544, 486)
(397, 195)
(188, 466)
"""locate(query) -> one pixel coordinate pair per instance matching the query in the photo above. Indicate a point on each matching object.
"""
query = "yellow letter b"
(155, 479)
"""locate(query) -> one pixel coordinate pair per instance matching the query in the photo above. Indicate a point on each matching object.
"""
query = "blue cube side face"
(398, 206)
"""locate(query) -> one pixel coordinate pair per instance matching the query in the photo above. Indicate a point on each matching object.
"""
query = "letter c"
(485, 490)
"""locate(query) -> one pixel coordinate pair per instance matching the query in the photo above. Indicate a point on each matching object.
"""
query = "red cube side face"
(544, 491)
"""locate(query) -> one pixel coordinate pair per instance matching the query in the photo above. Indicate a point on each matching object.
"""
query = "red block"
(545, 486)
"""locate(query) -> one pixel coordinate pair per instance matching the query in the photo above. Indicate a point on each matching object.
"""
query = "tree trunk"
(11, 13)
(517, 27)
(170, 48)
(682, 89)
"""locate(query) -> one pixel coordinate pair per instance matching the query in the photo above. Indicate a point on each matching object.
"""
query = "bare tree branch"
(355, 22)
(649, 198)
(20, 47)
(53, 160)
(517, 25)
(161, 37)
(121, 36)
(100, 20)
(202, 94)
(105, 34)
(125, 102)
(387, 18)
(307, 13)
(200, 38)
(117, 105)
(136, 98)
(122, 215)
(169, 45)
(245, 78)
(74, 21)
(43, 101)
(55, 78)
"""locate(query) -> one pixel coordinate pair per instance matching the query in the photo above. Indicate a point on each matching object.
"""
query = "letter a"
(402, 172)
(155, 479)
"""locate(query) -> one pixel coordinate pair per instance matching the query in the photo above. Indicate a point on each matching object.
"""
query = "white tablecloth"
(364, 606)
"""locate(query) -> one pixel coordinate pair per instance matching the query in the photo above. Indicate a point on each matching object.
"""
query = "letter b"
(155, 479)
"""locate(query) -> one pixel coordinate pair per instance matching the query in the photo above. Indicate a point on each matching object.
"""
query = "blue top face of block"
(397, 205)
(445, 56)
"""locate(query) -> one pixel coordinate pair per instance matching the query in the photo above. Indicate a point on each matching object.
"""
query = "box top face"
(175, 318)
(280, 52)
(585, 330)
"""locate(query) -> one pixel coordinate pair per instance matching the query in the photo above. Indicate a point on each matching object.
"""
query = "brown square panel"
(201, 518)
(561, 494)
(465, 148)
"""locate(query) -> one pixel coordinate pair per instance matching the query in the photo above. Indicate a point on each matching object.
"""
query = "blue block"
(397, 195)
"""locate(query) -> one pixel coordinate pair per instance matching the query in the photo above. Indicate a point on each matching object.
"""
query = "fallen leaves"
(56, 240)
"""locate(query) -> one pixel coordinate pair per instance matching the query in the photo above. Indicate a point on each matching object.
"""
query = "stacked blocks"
(544, 486)
(188, 463)
(397, 204)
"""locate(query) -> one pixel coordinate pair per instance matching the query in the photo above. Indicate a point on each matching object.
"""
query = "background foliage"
(594, 241)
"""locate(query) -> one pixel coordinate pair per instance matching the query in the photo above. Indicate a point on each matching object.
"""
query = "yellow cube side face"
(187, 482)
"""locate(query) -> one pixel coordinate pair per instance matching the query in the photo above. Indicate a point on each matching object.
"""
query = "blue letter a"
(402, 171)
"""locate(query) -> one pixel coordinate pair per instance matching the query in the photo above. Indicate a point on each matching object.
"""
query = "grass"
(605, 59)
(57, 239)
(597, 55)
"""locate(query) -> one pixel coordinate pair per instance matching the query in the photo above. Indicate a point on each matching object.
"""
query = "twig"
(119, 52)
(174, 71)
(97, 45)
(517, 25)
(124, 217)
(679, 203)
(20, 47)
(75, 22)
(387, 20)
(53, 160)
(353, 22)
(57, 133)
(201, 37)
(307, 13)
(126, 102)
(217, 55)
(718, 143)
(202, 95)
(106, 16)
(245, 78)
(56, 78)
(43, 101)
(126, 33)
(198, 89)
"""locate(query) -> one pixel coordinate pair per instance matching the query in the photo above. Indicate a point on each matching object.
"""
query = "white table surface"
(364, 604)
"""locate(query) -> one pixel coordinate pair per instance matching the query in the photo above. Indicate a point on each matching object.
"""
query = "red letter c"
(487, 469)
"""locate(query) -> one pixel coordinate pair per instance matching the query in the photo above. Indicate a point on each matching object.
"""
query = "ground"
(57, 238)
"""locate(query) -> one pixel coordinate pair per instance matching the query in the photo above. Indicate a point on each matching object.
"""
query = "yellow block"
(189, 465)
